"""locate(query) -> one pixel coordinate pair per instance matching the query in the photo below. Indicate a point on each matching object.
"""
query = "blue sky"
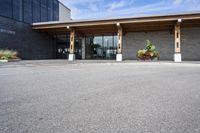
(88, 9)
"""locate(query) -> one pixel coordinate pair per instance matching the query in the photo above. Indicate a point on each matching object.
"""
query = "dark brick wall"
(163, 40)
(190, 44)
(30, 44)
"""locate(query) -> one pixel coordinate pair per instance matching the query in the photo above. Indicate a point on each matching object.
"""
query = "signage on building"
(7, 31)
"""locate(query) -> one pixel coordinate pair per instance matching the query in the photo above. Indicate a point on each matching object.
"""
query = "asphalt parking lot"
(100, 98)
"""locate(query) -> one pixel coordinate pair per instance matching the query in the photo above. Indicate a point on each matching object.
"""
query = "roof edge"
(121, 18)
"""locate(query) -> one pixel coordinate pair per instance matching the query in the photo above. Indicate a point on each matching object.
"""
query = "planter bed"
(11, 60)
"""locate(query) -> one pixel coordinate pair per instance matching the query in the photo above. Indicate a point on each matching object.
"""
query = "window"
(6, 8)
(109, 46)
(18, 10)
(55, 10)
(44, 15)
(28, 11)
(101, 47)
(36, 10)
(108, 42)
(115, 44)
(50, 10)
(98, 47)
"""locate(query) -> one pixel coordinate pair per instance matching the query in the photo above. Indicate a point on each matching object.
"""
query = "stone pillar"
(177, 42)
(119, 45)
(72, 42)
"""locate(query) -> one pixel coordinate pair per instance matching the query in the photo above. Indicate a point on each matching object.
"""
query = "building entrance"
(62, 43)
(101, 47)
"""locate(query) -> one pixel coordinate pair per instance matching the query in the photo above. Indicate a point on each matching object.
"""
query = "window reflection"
(62, 43)
(101, 47)
(97, 47)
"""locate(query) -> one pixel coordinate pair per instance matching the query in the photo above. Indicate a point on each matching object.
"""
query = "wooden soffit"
(151, 23)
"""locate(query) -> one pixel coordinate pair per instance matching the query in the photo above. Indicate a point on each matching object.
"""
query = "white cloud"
(93, 7)
(177, 2)
(85, 9)
(116, 5)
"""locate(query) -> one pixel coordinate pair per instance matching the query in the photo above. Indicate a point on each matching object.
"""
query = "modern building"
(43, 29)
(16, 18)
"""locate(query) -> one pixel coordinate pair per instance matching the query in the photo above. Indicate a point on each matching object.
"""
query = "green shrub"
(148, 53)
(8, 54)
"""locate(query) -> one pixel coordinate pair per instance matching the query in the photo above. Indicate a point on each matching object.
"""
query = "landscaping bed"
(9, 56)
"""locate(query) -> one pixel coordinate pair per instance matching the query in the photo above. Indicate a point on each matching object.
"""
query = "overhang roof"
(137, 23)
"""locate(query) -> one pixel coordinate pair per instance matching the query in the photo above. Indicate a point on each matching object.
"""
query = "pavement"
(99, 97)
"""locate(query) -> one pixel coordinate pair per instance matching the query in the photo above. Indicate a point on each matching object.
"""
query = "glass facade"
(17, 10)
(62, 43)
(36, 11)
(101, 47)
(6, 8)
(50, 10)
(29, 11)
(44, 15)
(55, 10)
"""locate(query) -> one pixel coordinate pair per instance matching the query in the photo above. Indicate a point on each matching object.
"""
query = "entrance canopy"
(131, 24)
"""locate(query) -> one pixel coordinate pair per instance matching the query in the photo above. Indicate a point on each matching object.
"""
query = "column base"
(119, 57)
(177, 57)
(71, 57)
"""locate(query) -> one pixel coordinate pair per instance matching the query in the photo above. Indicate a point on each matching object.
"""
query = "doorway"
(101, 47)
(62, 46)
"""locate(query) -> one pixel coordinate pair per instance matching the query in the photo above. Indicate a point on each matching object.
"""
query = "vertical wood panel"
(72, 39)
(177, 38)
(120, 37)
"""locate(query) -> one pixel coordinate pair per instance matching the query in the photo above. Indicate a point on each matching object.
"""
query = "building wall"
(29, 43)
(163, 40)
(64, 13)
(190, 44)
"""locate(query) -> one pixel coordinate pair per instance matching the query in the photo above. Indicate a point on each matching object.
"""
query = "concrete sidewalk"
(65, 62)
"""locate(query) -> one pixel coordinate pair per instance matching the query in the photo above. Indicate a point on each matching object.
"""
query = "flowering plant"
(148, 53)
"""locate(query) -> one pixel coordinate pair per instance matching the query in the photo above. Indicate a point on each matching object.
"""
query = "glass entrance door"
(62, 43)
(101, 47)
(62, 46)
(78, 47)
(62, 51)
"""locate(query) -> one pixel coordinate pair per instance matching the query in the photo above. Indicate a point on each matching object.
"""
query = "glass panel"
(36, 10)
(6, 8)
(44, 10)
(62, 47)
(108, 47)
(61, 38)
(97, 47)
(55, 10)
(101, 47)
(115, 45)
(28, 11)
(78, 47)
(50, 10)
(88, 48)
(18, 10)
